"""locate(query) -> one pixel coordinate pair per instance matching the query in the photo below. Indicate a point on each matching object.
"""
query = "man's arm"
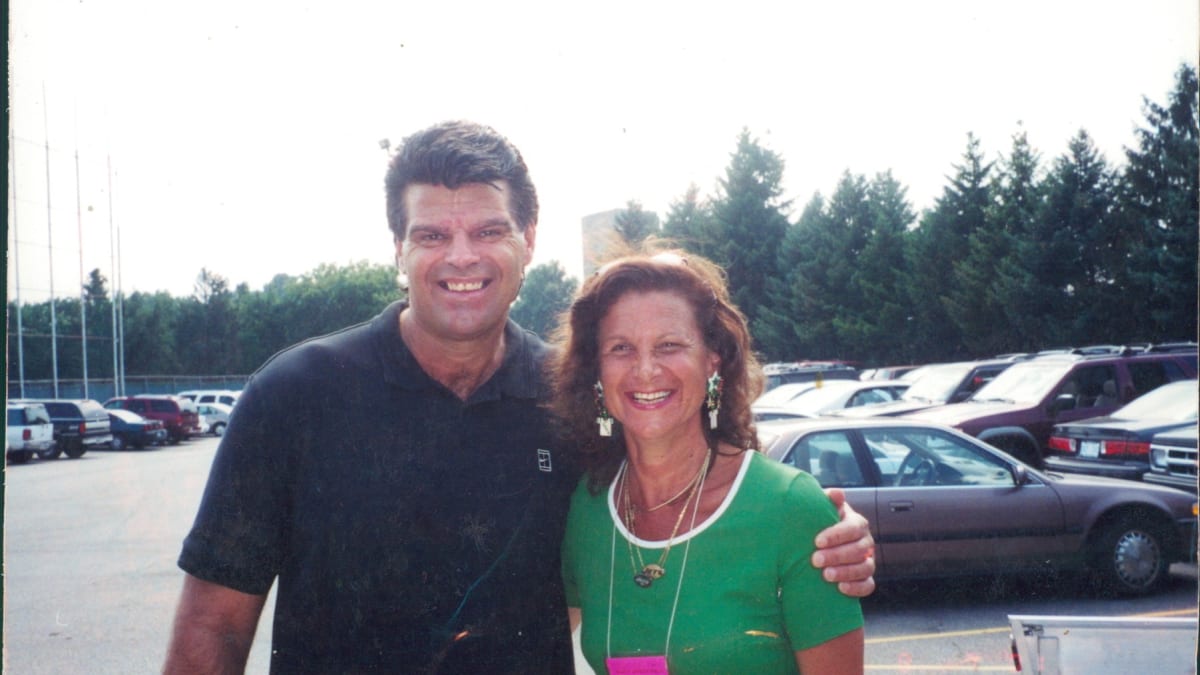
(214, 627)
(846, 551)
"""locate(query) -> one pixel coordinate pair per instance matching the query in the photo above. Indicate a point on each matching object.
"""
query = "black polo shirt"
(410, 531)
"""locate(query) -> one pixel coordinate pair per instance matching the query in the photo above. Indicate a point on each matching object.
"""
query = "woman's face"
(654, 365)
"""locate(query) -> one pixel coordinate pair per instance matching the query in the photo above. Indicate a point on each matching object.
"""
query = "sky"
(245, 137)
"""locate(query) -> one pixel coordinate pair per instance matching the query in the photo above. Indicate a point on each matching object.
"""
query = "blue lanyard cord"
(446, 633)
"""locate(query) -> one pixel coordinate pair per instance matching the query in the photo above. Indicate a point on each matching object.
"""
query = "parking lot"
(91, 582)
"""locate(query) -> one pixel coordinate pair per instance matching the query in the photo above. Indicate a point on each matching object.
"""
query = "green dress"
(749, 596)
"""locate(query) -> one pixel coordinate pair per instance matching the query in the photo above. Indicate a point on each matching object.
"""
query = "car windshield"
(1176, 402)
(937, 383)
(817, 399)
(1027, 382)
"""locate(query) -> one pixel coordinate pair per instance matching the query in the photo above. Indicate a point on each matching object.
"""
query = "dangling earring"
(603, 419)
(712, 401)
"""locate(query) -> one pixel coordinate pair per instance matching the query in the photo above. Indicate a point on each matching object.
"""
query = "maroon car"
(1017, 411)
(178, 414)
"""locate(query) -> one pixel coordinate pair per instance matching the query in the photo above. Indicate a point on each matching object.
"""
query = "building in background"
(599, 238)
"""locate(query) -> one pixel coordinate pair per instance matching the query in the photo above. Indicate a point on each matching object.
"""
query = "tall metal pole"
(112, 256)
(83, 297)
(16, 255)
(50, 246)
(121, 309)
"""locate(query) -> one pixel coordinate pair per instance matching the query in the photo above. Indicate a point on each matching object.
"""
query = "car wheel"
(118, 443)
(76, 451)
(1130, 556)
(52, 453)
(19, 456)
(218, 429)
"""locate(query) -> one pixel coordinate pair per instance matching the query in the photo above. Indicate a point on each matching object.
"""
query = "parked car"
(79, 424)
(807, 371)
(887, 372)
(131, 430)
(783, 393)
(29, 431)
(214, 417)
(224, 396)
(937, 384)
(942, 503)
(178, 414)
(1173, 459)
(831, 396)
(1016, 411)
(1118, 444)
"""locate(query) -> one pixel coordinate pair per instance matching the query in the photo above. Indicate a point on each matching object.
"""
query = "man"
(399, 478)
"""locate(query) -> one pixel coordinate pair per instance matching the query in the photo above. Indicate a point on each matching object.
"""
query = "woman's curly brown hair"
(575, 368)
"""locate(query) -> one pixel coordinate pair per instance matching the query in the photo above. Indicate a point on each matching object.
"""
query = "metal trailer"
(1066, 645)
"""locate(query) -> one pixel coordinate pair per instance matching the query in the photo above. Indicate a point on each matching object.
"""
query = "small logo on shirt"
(544, 461)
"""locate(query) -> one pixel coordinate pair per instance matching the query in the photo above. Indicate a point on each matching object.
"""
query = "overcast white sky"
(244, 136)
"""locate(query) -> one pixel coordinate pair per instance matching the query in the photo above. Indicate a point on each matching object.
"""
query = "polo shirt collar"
(519, 375)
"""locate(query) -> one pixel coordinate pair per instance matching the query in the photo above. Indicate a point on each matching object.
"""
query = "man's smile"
(463, 286)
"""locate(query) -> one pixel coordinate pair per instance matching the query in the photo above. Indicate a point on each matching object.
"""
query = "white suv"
(29, 431)
(226, 396)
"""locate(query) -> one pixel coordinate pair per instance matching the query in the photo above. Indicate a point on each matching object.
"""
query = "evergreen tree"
(748, 223)
(207, 326)
(878, 333)
(817, 263)
(789, 326)
(1079, 247)
(634, 224)
(689, 219)
(983, 297)
(546, 294)
(1014, 218)
(938, 245)
(150, 333)
(1161, 198)
(849, 225)
(96, 288)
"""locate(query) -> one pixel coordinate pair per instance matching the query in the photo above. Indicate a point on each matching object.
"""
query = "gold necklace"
(645, 574)
(679, 494)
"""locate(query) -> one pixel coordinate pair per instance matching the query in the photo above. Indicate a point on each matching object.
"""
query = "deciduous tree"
(546, 293)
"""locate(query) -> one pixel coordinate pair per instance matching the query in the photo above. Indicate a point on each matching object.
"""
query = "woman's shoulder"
(763, 468)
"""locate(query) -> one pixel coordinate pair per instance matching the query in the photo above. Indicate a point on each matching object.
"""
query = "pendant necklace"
(645, 574)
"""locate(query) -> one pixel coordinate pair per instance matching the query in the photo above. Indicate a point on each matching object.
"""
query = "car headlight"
(1158, 457)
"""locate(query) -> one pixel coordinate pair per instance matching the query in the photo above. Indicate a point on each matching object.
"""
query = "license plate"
(1089, 448)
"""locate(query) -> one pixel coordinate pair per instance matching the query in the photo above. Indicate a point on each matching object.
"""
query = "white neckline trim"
(619, 522)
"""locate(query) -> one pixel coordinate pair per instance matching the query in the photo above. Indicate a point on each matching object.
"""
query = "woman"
(674, 557)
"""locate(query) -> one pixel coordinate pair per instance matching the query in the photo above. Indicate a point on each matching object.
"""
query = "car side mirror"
(1063, 402)
(1020, 476)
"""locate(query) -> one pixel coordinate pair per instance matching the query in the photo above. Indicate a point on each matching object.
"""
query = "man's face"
(464, 258)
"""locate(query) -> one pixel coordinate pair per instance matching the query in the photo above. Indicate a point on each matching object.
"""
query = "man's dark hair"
(454, 154)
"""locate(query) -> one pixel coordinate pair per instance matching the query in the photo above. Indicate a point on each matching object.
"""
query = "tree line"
(1016, 254)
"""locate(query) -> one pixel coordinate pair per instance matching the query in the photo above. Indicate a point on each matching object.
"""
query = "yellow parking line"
(932, 636)
(1168, 612)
